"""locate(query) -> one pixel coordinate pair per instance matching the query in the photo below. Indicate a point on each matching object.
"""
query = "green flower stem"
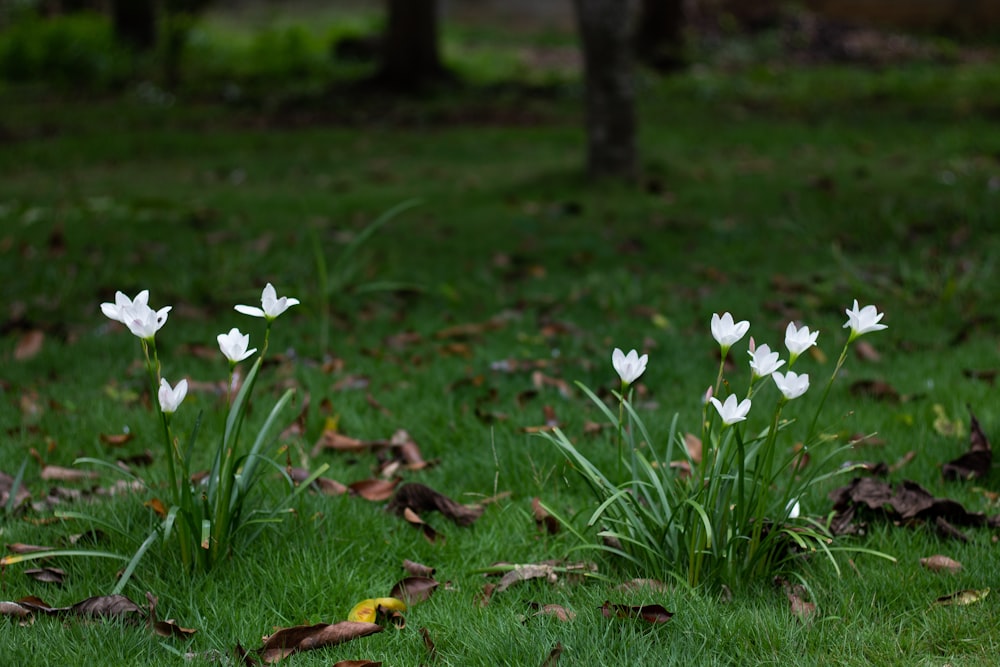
(762, 477)
(153, 367)
(621, 425)
(826, 392)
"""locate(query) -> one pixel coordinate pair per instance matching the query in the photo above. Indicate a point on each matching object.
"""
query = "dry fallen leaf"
(653, 613)
(60, 474)
(414, 589)
(29, 345)
(558, 611)
(968, 596)
(420, 498)
(415, 569)
(543, 518)
(287, 641)
(375, 490)
(938, 563)
(977, 461)
(47, 575)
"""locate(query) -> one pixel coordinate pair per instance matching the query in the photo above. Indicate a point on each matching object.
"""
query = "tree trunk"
(410, 57)
(659, 37)
(134, 23)
(605, 33)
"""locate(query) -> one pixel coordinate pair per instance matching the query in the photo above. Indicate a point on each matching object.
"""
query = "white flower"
(142, 320)
(799, 340)
(725, 331)
(272, 306)
(793, 508)
(628, 366)
(234, 345)
(732, 410)
(791, 384)
(863, 321)
(169, 397)
(116, 310)
(764, 362)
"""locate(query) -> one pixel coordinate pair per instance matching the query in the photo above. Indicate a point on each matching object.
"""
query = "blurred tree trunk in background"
(659, 37)
(605, 35)
(134, 23)
(410, 57)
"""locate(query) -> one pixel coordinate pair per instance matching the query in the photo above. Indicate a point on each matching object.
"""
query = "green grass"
(879, 186)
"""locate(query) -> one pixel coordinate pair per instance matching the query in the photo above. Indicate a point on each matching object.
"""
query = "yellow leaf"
(969, 596)
(363, 612)
(366, 610)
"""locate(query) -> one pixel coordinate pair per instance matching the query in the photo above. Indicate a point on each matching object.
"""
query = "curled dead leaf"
(968, 596)
(652, 613)
(421, 498)
(375, 490)
(415, 569)
(60, 474)
(286, 641)
(939, 563)
(413, 589)
(543, 518)
(558, 611)
(29, 344)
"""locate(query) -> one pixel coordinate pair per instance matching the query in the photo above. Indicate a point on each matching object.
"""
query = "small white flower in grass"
(791, 384)
(628, 366)
(862, 321)
(234, 345)
(763, 362)
(798, 340)
(794, 509)
(142, 320)
(116, 310)
(732, 410)
(171, 397)
(726, 332)
(272, 306)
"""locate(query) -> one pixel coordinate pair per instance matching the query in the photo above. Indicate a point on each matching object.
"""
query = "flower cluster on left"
(204, 519)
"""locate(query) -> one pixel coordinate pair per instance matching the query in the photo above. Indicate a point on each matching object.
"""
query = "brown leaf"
(29, 345)
(375, 490)
(414, 519)
(939, 563)
(693, 445)
(543, 518)
(330, 439)
(417, 569)
(47, 575)
(116, 439)
(13, 609)
(428, 644)
(906, 502)
(652, 613)
(977, 461)
(553, 658)
(357, 663)
(421, 498)
(170, 628)
(561, 613)
(903, 461)
(800, 608)
(107, 606)
(877, 390)
(324, 485)
(286, 641)
(412, 590)
(60, 474)
(21, 548)
(157, 506)
(21, 495)
(525, 572)
(866, 351)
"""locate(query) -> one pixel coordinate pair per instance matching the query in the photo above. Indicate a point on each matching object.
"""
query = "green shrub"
(77, 49)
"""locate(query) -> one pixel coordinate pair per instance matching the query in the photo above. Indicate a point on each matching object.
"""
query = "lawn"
(772, 192)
